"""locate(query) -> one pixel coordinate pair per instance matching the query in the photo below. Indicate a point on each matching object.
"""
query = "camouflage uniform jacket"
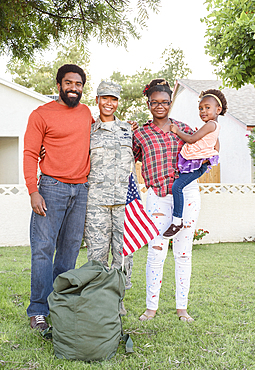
(111, 156)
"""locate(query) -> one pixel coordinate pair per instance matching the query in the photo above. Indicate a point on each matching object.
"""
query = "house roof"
(241, 102)
(25, 90)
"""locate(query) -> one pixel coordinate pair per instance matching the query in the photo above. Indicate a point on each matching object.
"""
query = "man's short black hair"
(66, 68)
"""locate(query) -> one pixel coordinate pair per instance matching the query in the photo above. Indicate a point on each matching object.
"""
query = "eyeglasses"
(154, 104)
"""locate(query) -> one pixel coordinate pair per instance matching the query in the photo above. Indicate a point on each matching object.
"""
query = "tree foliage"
(27, 26)
(133, 104)
(231, 40)
(251, 144)
(174, 65)
(41, 75)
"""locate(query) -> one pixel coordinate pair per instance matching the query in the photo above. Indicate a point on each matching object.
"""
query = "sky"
(177, 23)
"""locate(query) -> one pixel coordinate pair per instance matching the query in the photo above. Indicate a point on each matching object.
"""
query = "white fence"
(227, 212)
(15, 211)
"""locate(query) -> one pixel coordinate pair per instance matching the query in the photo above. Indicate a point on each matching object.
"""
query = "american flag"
(138, 228)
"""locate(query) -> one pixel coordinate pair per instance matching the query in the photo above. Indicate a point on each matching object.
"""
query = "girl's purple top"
(191, 165)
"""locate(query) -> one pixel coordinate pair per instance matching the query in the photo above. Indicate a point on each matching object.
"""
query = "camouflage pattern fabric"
(111, 156)
(111, 159)
(108, 88)
(104, 234)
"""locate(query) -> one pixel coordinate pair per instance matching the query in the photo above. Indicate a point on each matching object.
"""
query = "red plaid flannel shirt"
(158, 152)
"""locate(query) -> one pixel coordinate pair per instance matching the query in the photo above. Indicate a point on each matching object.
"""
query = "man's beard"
(70, 102)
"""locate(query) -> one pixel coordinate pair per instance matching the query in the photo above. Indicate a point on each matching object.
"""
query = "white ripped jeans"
(182, 245)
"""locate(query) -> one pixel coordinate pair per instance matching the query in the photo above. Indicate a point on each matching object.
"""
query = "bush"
(199, 234)
(251, 144)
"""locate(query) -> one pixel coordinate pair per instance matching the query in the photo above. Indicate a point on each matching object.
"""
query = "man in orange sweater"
(59, 205)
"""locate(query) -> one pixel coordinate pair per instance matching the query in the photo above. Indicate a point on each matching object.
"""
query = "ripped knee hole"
(157, 247)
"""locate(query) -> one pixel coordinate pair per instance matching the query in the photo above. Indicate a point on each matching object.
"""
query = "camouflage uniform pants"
(104, 227)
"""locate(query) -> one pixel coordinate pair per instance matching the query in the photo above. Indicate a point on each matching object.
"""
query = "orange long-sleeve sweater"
(65, 134)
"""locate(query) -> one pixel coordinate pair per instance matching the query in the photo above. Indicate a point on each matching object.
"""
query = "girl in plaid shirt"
(158, 148)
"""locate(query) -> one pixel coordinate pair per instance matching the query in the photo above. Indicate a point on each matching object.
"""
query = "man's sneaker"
(128, 285)
(123, 311)
(38, 322)
(172, 231)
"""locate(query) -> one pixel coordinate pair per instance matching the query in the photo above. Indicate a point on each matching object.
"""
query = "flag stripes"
(138, 228)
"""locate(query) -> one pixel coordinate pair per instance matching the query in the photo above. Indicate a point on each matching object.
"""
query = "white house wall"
(235, 157)
(185, 109)
(234, 154)
(16, 106)
(9, 160)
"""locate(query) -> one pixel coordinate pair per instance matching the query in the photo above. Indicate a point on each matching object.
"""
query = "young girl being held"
(199, 152)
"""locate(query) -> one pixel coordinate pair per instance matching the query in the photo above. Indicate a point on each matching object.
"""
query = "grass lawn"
(221, 300)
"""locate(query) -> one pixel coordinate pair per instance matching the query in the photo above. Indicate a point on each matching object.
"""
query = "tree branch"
(111, 5)
(57, 16)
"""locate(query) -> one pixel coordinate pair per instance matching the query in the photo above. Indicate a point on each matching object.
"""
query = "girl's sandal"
(186, 318)
(148, 317)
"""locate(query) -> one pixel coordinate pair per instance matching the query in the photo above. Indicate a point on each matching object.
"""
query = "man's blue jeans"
(61, 231)
(178, 185)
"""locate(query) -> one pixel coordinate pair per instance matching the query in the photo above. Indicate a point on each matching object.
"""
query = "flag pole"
(123, 257)
(122, 265)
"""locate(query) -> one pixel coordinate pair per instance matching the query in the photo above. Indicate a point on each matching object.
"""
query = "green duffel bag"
(84, 310)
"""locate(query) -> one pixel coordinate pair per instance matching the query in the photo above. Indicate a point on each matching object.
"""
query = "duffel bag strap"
(129, 343)
(47, 333)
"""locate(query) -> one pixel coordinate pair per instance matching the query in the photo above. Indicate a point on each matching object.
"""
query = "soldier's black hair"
(158, 84)
(219, 95)
(66, 68)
